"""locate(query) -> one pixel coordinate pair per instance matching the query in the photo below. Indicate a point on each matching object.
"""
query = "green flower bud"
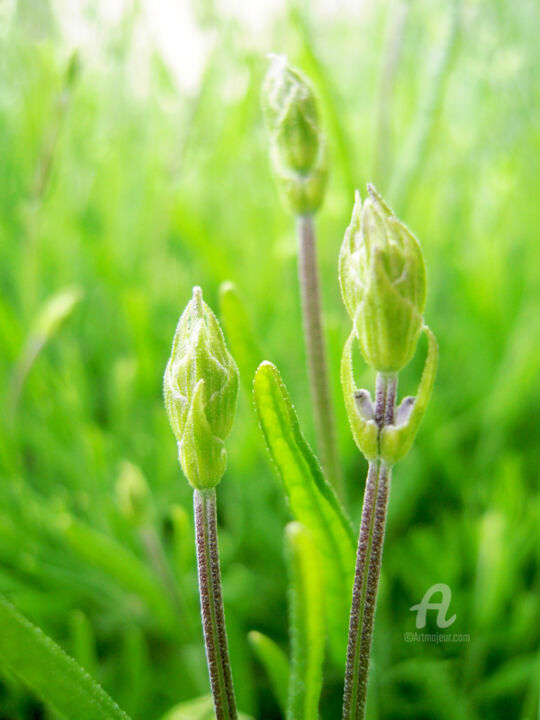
(383, 283)
(298, 149)
(133, 495)
(200, 389)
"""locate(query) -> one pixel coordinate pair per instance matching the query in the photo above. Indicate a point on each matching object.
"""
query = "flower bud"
(133, 495)
(200, 389)
(383, 283)
(298, 149)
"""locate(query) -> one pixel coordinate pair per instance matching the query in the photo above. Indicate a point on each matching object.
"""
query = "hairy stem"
(213, 615)
(315, 349)
(368, 563)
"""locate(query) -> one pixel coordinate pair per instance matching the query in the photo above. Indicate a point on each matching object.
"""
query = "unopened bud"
(133, 494)
(383, 284)
(298, 148)
(200, 389)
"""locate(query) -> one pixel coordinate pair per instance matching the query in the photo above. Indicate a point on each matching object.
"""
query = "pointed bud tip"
(277, 60)
(197, 302)
(378, 200)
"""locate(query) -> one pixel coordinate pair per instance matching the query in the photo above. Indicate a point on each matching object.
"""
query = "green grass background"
(132, 198)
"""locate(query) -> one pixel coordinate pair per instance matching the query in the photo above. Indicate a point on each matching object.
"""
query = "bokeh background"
(134, 165)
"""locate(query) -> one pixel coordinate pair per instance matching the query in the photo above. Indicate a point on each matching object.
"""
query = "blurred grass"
(133, 197)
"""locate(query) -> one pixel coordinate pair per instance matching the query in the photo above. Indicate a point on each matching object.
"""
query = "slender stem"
(368, 563)
(213, 615)
(315, 349)
(353, 678)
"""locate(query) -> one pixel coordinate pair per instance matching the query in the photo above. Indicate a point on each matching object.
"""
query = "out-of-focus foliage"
(52, 675)
(132, 191)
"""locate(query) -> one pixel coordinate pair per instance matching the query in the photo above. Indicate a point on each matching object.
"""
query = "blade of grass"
(276, 664)
(118, 563)
(239, 332)
(83, 641)
(48, 321)
(405, 179)
(55, 677)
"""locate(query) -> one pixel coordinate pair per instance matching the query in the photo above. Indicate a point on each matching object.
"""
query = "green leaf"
(48, 322)
(120, 564)
(312, 500)
(199, 709)
(364, 430)
(276, 664)
(83, 641)
(55, 677)
(307, 624)
(434, 683)
(239, 332)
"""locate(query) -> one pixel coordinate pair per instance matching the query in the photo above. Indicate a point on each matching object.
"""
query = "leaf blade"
(54, 676)
(307, 624)
(312, 500)
(276, 664)
(239, 332)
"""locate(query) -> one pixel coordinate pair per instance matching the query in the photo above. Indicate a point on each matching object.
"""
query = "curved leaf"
(55, 677)
(311, 499)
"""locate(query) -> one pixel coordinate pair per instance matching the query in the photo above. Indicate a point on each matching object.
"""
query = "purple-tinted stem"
(368, 563)
(315, 350)
(213, 615)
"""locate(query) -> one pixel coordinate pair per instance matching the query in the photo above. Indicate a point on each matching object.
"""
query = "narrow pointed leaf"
(276, 664)
(306, 623)
(239, 332)
(311, 499)
(114, 560)
(55, 677)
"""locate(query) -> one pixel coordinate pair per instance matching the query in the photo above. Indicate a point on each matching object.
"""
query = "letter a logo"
(442, 606)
